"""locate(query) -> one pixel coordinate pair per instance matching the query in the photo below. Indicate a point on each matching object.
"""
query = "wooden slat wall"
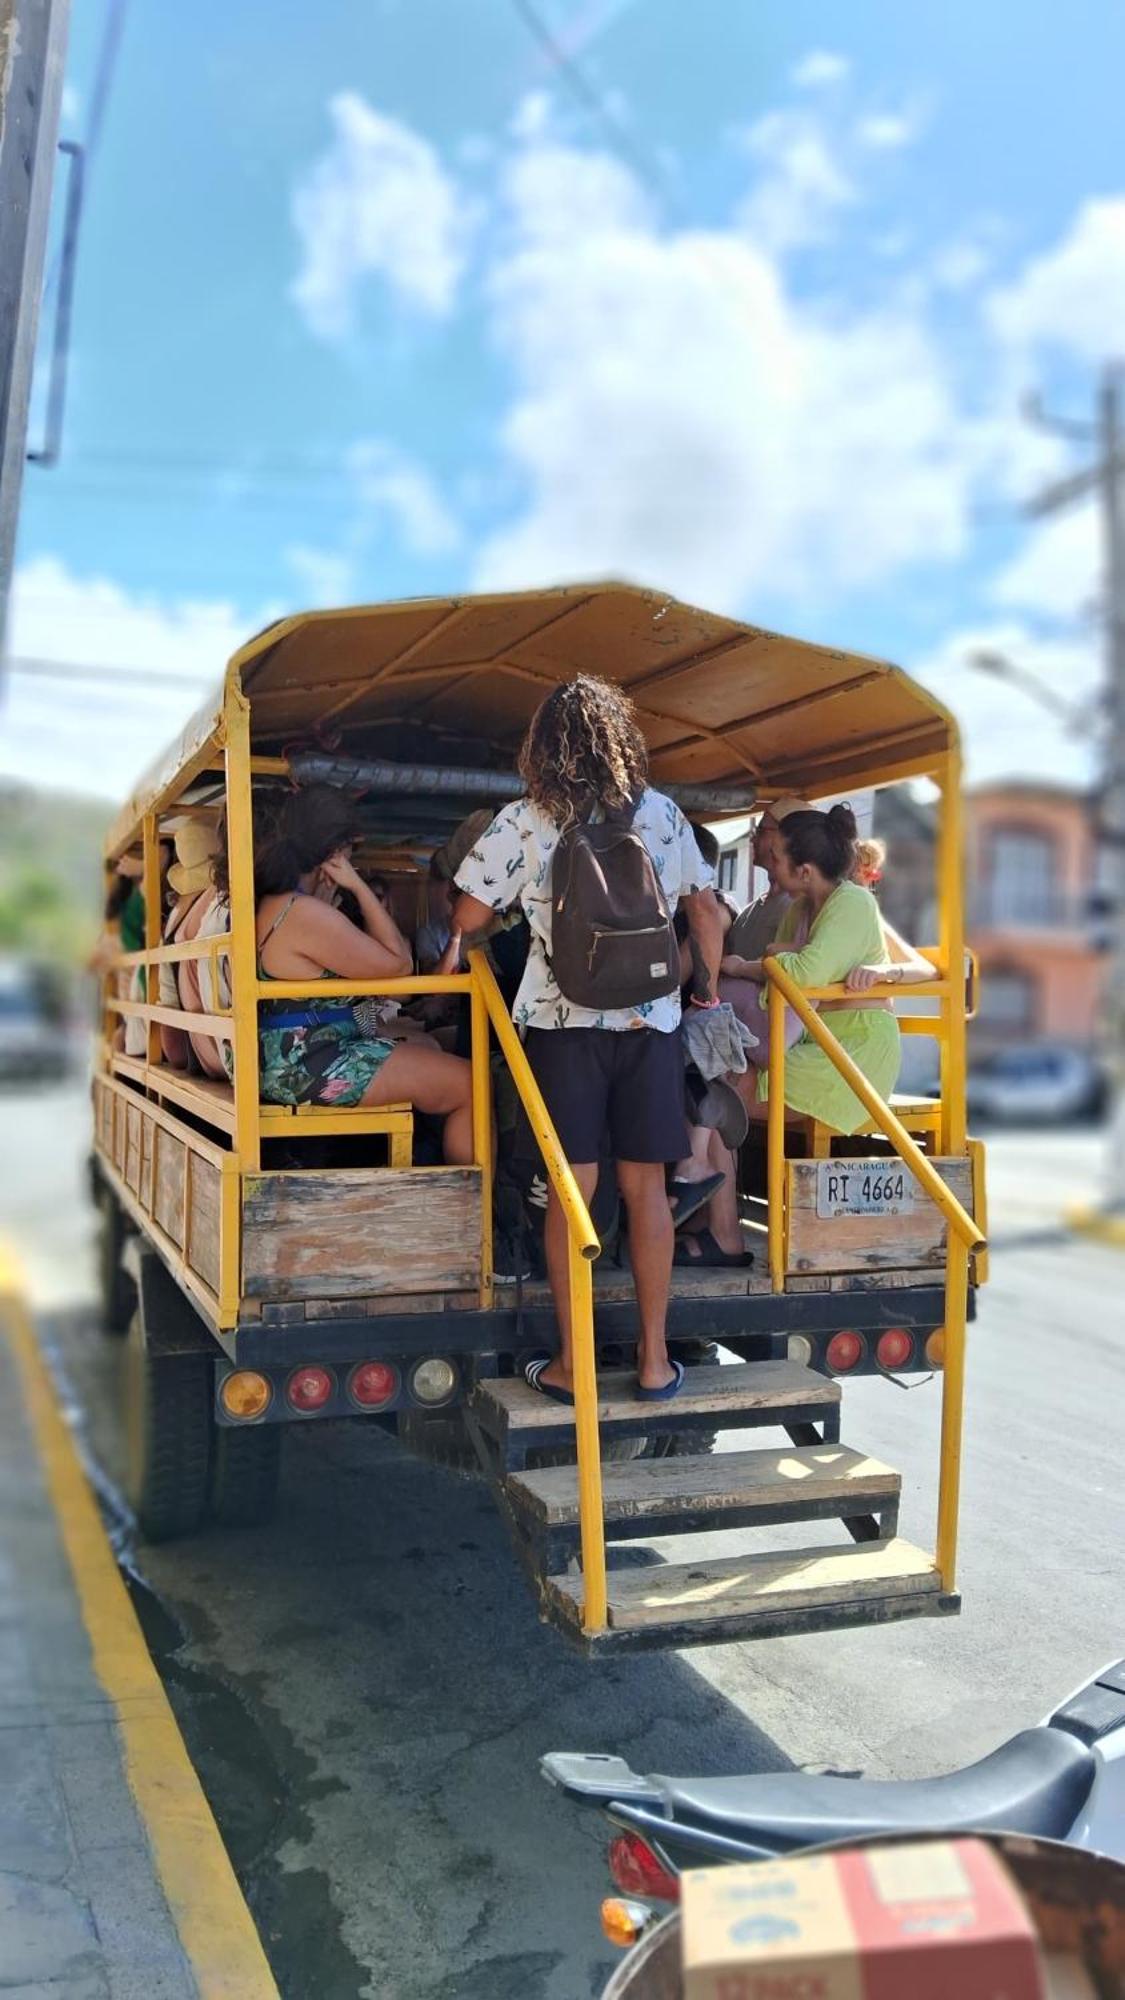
(174, 1181)
(915, 1241)
(360, 1232)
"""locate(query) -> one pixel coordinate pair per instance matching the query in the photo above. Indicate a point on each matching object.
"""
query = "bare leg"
(435, 1082)
(651, 1241)
(560, 1371)
(697, 1165)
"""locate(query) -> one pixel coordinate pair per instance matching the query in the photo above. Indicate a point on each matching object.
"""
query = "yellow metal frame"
(223, 742)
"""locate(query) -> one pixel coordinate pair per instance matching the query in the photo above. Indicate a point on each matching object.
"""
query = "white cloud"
(678, 417)
(392, 487)
(377, 203)
(802, 184)
(820, 68)
(1055, 575)
(88, 736)
(889, 131)
(1006, 730)
(1073, 296)
(324, 574)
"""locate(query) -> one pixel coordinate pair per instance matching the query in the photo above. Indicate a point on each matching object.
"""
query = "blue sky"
(369, 305)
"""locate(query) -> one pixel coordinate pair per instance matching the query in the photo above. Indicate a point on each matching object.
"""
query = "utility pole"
(32, 52)
(1106, 478)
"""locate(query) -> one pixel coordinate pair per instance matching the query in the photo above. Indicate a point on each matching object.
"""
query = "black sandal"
(710, 1256)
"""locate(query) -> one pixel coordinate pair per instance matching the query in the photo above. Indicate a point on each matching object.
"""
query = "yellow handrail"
(583, 1247)
(964, 1234)
(958, 1218)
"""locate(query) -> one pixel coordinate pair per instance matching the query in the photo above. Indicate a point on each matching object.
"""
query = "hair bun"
(841, 819)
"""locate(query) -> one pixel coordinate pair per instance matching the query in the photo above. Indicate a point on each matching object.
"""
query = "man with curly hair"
(612, 1080)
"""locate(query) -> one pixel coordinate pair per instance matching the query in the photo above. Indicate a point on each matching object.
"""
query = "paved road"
(366, 1689)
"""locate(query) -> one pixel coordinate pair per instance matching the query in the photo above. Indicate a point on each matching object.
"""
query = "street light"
(1079, 721)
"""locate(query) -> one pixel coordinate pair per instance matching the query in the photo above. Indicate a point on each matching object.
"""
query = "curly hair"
(583, 748)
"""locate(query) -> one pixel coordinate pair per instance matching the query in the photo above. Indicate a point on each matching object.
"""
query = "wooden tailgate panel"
(912, 1241)
(360, 1232)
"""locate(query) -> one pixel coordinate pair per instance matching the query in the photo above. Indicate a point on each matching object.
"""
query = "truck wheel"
(117, 1294)
(245, 1465)
(169, 1429)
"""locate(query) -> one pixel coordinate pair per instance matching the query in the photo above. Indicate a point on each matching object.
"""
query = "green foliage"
(50, 874)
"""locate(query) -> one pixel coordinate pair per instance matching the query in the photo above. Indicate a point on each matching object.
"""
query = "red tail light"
(310, 1386)
(638, 1871)
(373, 1383)
(895, 1347)
(845, 1350)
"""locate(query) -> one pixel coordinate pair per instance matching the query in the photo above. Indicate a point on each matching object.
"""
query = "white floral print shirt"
(511, 863)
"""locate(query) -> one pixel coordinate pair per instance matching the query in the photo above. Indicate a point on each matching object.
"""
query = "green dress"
(848, 932)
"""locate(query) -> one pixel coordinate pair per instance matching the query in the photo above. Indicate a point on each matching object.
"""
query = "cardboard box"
(919, 1920)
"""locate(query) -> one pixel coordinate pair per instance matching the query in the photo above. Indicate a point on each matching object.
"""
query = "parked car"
(1036, 1085)
(34, 1046)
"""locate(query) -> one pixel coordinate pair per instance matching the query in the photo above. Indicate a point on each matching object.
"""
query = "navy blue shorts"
(612, 1093)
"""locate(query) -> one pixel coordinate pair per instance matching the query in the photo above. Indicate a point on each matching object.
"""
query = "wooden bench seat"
(212, 1100)
(920, 1115)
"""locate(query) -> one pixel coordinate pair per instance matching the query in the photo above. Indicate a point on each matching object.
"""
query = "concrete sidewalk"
(113, 1880)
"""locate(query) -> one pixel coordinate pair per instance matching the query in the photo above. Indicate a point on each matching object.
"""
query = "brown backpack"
(612, 939)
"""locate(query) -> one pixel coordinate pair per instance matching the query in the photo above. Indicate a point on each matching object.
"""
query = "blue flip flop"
(669, 1390)
(532, 1374)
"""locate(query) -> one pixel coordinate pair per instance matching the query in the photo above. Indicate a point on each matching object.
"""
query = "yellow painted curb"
(215, 1927)
(1095, 1223)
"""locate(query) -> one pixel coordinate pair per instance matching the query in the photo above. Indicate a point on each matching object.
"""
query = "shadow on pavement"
(366, 1690)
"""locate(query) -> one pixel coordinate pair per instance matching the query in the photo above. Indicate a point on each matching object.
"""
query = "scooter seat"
(1037, 1783)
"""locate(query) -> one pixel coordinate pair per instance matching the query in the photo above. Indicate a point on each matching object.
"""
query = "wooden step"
(751, 1596)
(684, 1494)
(714, 1398)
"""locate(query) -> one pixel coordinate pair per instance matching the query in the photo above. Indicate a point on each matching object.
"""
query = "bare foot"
(655, 1373)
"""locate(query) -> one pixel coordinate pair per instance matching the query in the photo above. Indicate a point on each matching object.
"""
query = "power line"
(646, 165)
(138, 677)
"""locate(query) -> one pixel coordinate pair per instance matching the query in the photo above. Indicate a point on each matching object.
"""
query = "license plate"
(846, 1187)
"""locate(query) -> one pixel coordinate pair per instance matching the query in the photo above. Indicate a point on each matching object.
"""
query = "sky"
(743, 299)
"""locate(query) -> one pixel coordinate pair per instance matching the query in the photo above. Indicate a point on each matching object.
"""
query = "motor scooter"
(1063, 1781)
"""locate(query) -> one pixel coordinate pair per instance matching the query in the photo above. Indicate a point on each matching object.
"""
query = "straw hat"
(447, 860)
(196, 845)
(781, 808)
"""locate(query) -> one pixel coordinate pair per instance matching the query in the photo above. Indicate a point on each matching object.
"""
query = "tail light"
(894, 1348)
(637, 1869)
(245, 1395)
(372, 1384)
(799, 1348)
(935, 1348)
(433, 1381)
(309, 1387)
(845, 1350)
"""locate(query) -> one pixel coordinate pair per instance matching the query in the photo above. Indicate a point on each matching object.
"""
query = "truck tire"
(245, 1465)
(169, 1426)
(117, 1294)
(441, 1437)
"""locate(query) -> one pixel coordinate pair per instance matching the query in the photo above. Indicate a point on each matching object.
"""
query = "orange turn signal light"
(622, 1922)
(935, 1348)
(245, 1395)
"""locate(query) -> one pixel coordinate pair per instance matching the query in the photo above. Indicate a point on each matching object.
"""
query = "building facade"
(1032, 862)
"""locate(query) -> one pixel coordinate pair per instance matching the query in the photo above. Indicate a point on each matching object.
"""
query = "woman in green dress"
(845, 943)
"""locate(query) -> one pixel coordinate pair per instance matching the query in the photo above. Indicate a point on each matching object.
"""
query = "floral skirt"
(330, 1064)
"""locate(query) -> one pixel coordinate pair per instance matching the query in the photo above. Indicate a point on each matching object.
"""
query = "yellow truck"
(275, 1265)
